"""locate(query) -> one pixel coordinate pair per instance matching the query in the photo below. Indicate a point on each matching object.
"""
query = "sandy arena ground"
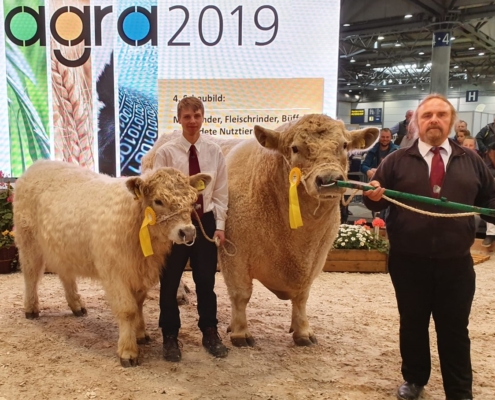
(354, 317)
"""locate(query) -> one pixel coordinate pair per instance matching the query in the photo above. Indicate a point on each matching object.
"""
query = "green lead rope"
(442, 201)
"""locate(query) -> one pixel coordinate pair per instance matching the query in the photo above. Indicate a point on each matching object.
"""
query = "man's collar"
(186, 144)
(424, 148)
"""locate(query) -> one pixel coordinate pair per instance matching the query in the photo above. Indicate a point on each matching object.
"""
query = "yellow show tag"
(295, 218)
(144, 234)
(200, 185)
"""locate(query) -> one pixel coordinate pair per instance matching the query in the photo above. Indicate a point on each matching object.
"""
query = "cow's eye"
(345, 145)
(295, 149)
(158, 202)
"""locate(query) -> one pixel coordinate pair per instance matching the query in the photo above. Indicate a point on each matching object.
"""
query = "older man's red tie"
(193, 170)
(437, 172)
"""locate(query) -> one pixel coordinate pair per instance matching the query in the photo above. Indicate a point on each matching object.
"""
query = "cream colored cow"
(75, 222)
(284, 260)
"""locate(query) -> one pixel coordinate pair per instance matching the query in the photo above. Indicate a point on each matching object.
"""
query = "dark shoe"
(213, 343)
(409, 391)
(171, 348)
(487, 241)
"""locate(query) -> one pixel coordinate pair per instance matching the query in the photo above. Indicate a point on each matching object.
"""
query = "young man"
(378, 152)
(486, 136)
(192, 153)
(430, 262)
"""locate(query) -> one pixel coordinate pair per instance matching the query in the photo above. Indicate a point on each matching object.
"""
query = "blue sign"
(441, 39)
(471, 96)
(375, 115)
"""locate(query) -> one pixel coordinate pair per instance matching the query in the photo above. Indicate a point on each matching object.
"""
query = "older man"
(430, 262)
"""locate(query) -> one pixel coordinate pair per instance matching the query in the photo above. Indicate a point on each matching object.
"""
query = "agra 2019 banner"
(95, 82)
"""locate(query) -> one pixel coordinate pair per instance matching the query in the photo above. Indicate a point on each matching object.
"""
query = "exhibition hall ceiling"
(387, 44)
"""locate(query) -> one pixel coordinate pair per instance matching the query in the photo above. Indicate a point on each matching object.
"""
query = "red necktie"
(193, 170)
(437, 172)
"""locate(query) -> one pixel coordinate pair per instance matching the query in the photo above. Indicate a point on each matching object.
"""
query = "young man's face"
(385, 138)
(469, 143)
(191, 121)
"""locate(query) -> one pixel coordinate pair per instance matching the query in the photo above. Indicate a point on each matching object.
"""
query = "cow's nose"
(188, 234)
(327, 180)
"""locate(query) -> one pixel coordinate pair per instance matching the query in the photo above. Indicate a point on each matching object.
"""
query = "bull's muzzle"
(188, 234)
(325, 183)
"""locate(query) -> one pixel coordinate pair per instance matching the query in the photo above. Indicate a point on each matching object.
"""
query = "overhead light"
(397, 44)
(348, 84)
(368, 64)
(422, 88)
(481, 54)
(400, 82)
(452, 38)
(456, 66)
(390, 81)
(471, 48)
(421, 53)
(380, 38)
(347, 25)
(353, 60)
(414, 87)
(408, 16)
(384, 91)
(377, 89)
(350, 91)
(493, 82)
(360, 74)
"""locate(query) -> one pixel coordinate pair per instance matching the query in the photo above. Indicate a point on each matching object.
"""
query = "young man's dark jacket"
(371, 159)
(467, 180)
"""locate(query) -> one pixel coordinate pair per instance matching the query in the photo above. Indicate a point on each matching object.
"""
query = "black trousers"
(202, 256)
(445, 289)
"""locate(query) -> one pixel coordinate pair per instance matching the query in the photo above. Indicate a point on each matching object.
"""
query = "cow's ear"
(200, 181)
(136, 186)
(362, 138)
(267, 137)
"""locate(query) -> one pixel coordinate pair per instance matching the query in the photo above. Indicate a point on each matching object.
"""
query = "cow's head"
(171, 195)
(318, 146)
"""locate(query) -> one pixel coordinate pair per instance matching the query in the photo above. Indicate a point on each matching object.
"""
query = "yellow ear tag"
(144, 234)
(295, 218)
(200, 185)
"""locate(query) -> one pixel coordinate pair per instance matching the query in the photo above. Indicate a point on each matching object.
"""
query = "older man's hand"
(376, 194)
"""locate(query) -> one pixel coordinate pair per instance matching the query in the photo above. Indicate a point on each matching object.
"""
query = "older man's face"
(409, 114)
(434, 121)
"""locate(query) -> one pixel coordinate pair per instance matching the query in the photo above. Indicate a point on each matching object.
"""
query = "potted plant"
(359, 249)
(8, 251)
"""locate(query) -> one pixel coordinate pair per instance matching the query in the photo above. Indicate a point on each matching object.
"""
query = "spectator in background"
(489, 159)
(460, 125)
(485, 136)
(460, 136)
(409, 139)
(470, 143)
(401, 128)
(378, 152)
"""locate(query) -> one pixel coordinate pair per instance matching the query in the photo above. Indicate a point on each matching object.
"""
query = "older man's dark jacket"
(467, 180)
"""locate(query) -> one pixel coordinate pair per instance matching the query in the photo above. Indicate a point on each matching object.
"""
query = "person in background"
(378, 152)
(485, 136)
(191, 153)
(489, 159)
(401, 128)
(460, 136)
(460, 125)
(470, 143)
(429, 262)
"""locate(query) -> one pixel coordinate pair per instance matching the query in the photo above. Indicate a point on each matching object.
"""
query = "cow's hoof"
(305, 341)
(144, 340)
(80, 313)
(129, 362)
(32, 315)
(242, 342)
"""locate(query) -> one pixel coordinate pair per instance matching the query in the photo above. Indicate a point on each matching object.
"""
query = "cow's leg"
(141, 336)
(240, 288)
(182, 293)
(302, 333)
(72, 295)
(126, 310)
(32, 267)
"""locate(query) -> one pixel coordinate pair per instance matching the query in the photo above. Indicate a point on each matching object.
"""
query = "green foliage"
(359, 237)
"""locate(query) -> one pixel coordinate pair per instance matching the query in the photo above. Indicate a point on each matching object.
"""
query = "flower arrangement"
(360, 237)
(6, 214)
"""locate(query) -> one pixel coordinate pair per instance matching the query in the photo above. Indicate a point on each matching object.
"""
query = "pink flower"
(1, 174)
(361, 221)
(378, 222)
(10, 199)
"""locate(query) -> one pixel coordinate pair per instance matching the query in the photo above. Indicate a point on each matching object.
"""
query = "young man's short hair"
(192, 103)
